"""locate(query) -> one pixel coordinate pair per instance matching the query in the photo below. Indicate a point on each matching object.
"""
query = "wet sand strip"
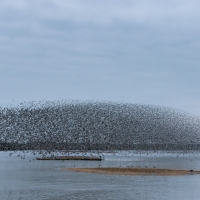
(134, 171)
(70, 158)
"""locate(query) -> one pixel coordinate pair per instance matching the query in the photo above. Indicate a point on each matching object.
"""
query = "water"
(33, 179)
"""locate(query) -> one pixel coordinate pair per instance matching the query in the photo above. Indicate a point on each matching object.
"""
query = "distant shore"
(134, 171)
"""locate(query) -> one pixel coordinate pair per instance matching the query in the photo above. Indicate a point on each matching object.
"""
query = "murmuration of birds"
(92, 125)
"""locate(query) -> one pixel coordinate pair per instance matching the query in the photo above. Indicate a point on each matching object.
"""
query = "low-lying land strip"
(134, 171)
(70, 158)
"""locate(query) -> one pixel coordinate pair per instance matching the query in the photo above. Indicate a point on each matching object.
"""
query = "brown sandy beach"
(134, 171)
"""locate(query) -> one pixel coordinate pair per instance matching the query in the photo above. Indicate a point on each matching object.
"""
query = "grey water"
(35, 179)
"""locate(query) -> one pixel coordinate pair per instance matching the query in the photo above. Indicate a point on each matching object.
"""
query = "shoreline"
(134, 171)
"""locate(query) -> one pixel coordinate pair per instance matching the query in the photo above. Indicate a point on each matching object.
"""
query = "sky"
(144, 51)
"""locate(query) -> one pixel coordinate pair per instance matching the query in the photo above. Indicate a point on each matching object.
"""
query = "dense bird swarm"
(75, 125)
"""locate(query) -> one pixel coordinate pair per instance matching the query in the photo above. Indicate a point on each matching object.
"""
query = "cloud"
(61, 31)
(103, 12)
(133, 51)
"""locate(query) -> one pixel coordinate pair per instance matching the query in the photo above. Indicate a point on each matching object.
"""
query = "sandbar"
(70, 158)
(135, 171)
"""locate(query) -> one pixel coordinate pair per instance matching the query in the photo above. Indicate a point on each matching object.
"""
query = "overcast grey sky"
(144, 51)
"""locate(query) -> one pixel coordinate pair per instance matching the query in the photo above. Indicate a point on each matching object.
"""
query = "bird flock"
(92, 125)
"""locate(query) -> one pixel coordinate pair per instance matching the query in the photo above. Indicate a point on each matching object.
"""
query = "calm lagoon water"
(33, 179)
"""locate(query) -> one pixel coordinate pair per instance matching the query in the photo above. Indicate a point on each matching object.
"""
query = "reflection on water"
(32, 179)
